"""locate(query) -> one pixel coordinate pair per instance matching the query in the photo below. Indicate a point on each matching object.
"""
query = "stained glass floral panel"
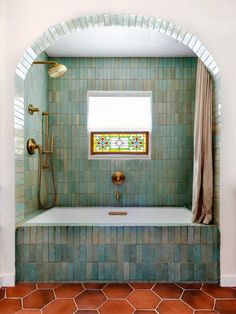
(119, 143)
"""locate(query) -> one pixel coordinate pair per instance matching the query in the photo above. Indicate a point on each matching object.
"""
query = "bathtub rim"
(24, 222)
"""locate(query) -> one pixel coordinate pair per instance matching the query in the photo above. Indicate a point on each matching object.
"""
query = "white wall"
(212, 21)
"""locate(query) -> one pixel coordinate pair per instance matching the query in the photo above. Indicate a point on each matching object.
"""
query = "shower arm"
(45, 62)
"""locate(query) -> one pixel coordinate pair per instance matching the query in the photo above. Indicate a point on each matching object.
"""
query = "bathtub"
(118, 216)
(117, 244)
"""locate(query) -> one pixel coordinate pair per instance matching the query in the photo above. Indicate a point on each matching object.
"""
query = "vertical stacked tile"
(19, 121)
(118, 253)
(166, 179)
(36, 93)
(216, 121)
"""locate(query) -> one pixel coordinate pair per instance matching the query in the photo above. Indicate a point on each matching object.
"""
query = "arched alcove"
(62, 29)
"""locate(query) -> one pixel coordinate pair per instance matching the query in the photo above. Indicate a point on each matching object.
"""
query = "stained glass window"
(119, 143)
(119, 124)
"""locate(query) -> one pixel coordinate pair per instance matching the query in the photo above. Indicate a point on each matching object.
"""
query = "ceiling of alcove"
(118, 42)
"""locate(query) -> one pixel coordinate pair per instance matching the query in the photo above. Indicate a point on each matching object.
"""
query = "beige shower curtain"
(203, 169)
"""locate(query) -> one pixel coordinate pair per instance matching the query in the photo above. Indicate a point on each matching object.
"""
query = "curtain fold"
(202, 199)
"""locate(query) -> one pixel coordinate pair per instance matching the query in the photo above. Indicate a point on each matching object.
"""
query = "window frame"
(121, 155)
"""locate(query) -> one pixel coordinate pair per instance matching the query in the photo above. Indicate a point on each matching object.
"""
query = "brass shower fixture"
(56, 70)
(32, 146)
(118, 177)
(32, 109)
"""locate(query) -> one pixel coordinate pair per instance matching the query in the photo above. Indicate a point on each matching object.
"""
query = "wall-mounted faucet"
(32, 109)
(118, 195)
(118, 178)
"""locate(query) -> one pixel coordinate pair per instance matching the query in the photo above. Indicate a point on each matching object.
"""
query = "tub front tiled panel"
(152, 253)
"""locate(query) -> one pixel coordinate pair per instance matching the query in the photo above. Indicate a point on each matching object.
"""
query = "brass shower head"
(56, 70)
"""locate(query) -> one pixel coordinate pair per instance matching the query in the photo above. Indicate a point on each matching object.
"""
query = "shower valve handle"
(32, 146)
(32, 109)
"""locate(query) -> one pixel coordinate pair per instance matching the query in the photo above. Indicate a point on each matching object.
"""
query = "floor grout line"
(131, 303)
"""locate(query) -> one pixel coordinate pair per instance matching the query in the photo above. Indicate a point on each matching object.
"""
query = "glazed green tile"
(212, 271)
(119, 75)
(203, 234)
(45, 233)
(70, 256)
(120, 234)
(45, 253)
(190, 234)
(209, 235)
(58, 252)
(32, 253)
(83, 252)
(164, 235)
(171, 272)
(113, 234)
(39, 235)
(20, 235)
(101, 252)
(51, 255)
(57, 234)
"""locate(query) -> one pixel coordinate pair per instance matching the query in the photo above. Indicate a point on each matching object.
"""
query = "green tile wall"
(151, 253)
(166, 180)
(216, 138)
(36, 93)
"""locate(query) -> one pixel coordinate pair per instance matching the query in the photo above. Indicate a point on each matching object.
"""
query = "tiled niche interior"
(166, 179)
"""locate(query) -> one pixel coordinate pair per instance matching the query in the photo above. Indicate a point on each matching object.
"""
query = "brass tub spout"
(117, 194)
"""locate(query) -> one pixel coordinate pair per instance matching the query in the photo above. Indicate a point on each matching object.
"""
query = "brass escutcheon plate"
(31, 146)
(118, 178)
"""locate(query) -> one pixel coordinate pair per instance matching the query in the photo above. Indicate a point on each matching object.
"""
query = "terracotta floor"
(123, 298)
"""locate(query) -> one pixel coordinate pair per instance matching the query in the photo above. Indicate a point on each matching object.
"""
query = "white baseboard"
(228, 280)
(7, 280)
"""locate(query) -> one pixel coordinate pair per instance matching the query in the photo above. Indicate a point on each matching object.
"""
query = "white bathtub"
(102, 216)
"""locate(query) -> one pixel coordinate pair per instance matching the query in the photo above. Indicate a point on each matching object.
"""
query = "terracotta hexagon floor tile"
(68, 290)
(143, 299)
(141, 285)
(219, 292)
(198, 299)
(117, 290)
(190, 286)
(2, 293)
(65, 306)
(90, 299)
(38, 299)
(168, 290)
(10, 306)
(173, 307)
(47, 286)
(116, 307)
(94, 285)
(225, 306)
(20, 290)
